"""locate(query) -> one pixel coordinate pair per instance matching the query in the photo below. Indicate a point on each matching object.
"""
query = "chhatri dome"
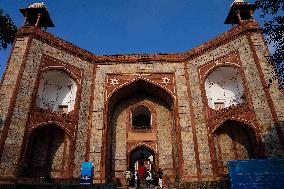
(37, 15)
(37, 5)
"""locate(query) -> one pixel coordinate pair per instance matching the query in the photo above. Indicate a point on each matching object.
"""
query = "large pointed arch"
(248, 124)
(49, 151)
(233, 140)
(138, 87)
(58, 124)
(73, 76)
(143, 145)
(214, 67)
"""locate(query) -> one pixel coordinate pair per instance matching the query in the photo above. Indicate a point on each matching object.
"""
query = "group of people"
(144, 176)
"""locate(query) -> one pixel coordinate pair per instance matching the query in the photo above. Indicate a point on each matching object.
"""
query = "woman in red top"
(141, 171)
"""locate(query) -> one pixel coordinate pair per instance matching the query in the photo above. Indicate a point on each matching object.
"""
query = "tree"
(274, 29)
(7, 30)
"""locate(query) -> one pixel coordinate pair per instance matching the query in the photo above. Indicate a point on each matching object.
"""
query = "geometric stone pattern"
(8, 83)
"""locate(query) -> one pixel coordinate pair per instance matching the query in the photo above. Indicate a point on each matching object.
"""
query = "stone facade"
(186, 137)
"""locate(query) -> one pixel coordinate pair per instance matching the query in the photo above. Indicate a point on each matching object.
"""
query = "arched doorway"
(233, 141)
(140, 99)
(47, 152)
(142, 156)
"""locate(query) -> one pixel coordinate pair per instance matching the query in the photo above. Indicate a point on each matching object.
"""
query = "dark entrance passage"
(134, 114)
(233, 141)
(141, 156)
(47, 152)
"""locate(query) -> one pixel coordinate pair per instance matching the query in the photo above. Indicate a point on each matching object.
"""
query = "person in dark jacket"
(160, 175)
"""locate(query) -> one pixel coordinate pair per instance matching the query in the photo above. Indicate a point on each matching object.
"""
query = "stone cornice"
(225, 37)
(53, 40)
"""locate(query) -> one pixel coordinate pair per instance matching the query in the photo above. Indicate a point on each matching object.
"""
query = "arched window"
(57, 91)
(141, 118)
(142, 156)
(224, 87)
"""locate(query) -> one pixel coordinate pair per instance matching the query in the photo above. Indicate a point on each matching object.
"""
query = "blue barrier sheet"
(257, 174)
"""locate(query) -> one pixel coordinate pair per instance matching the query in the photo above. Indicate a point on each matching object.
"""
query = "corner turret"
(37, 15)
(240, 11)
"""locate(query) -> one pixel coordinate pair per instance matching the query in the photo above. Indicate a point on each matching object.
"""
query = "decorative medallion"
(163, 80)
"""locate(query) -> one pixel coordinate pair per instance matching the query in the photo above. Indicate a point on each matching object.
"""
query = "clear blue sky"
(129, 26)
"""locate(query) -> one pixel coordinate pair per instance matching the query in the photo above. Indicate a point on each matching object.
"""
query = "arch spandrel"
(251, 125)
(69, 131)
(141, 145)
(116, 82)
(51, 63)
(64, 69)
(213, 67)
(140, 85)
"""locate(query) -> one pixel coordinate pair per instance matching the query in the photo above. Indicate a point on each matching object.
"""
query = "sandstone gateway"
(187, 113)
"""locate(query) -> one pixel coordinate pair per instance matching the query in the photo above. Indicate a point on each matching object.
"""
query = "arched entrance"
(144, 100)
(47, 152)
(233, 141)
(141, 156)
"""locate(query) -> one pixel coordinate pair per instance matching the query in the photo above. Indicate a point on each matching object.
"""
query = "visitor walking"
(128, 178)
(160, 175)
(148, 178)
(141, 170)
(137, 180)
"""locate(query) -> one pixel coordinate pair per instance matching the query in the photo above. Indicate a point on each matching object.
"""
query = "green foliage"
(7, 30)
(274, 29)
(269, 6)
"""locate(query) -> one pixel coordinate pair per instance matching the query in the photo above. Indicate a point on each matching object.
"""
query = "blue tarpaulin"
(257, 174)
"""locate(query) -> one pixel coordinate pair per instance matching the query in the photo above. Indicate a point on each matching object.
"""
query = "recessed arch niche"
(57, 91)
(119, 138)
(224, 87)
(48, 152)
(142, 154)
(233, 140)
